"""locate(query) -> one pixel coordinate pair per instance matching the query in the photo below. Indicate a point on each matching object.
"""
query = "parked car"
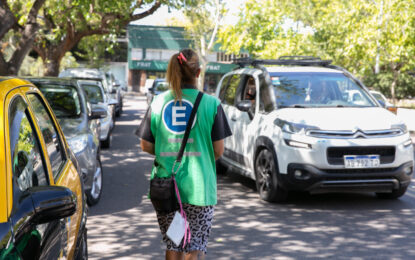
(296, 130)
(96, 96)
(159, 86)
(107, 79)
(79, 124)
(42, 207)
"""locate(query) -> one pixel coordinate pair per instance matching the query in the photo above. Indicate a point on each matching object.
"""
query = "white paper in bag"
(176, 229)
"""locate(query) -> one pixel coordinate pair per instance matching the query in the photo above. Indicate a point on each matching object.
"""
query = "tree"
(68, 22)
(359, 35)
(21, 17)
(59, 25)
(204, 19)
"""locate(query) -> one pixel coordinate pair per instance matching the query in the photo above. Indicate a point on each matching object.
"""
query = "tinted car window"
(162, 86)
(93, 93)
(228, 91)
(64, 100)
(49, 132)
(317, 89)
(27, 162)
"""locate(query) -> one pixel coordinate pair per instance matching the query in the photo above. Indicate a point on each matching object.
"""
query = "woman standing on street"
(161, 132)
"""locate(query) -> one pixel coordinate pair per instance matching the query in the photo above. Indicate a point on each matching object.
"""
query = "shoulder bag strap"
(189, 127)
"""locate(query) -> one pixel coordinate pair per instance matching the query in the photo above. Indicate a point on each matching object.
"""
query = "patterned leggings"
(200, 221)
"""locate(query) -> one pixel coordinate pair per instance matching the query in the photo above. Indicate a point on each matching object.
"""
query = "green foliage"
(382, 82)
(356, 34)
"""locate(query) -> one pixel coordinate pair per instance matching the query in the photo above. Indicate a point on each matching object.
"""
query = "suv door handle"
(233, 118)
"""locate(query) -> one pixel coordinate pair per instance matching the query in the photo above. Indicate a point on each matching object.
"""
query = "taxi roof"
(9, 83)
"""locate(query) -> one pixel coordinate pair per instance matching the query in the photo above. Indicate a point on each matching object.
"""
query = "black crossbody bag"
(162, 190)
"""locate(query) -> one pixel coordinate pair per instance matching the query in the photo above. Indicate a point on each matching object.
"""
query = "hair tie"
(181, 58)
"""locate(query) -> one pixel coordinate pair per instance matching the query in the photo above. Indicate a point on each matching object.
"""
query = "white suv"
(296, 129)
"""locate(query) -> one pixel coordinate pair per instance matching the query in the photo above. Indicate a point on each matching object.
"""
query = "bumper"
(305, 177)
(318, 154)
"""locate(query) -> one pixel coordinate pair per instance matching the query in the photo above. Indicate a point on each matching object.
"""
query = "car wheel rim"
(97, 182)
(265, 171)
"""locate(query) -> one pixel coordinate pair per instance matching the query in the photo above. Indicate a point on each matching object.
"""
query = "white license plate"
(361, 161)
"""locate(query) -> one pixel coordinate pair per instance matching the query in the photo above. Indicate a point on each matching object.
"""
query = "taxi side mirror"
(51, 203)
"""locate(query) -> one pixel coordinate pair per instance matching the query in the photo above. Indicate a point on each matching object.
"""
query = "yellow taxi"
(42, 205)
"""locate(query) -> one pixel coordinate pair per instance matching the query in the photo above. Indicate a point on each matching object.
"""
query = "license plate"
(361, 161)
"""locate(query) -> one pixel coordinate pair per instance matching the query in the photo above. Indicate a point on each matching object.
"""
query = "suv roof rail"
(284, 60)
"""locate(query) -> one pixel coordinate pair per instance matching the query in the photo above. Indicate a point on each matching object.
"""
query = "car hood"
(73, 126)
(342, 118)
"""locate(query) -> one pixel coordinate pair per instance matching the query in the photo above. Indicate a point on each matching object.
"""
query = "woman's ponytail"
(183, 68)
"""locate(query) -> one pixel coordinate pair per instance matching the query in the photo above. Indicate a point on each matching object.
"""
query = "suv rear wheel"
(266, 178)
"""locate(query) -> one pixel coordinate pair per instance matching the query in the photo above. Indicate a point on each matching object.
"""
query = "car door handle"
(233, 118)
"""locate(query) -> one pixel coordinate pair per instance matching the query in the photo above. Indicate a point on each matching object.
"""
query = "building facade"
(150, 48)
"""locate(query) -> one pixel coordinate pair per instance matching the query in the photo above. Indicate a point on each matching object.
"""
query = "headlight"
(402, 127)
(293, 128)
(78, 143)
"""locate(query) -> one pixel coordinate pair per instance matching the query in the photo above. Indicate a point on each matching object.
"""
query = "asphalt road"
(329, 226)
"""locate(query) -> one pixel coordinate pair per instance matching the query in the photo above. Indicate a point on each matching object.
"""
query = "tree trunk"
(52, 67)
(393, 85)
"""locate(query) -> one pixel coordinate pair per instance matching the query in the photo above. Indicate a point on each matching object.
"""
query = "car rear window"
(318, 89)
(93, 93)
(63, 99)
(162, 86)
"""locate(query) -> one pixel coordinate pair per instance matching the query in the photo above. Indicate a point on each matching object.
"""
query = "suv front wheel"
(266, 178)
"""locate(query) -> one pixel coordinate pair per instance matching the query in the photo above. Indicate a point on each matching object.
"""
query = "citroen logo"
(359, 133)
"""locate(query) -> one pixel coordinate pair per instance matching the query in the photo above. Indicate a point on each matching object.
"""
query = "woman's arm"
(218, 148)
(147, 146)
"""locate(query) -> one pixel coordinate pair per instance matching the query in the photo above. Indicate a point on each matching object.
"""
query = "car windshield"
(318, 89)
(162, 86)
(93, 93)
(63, 99)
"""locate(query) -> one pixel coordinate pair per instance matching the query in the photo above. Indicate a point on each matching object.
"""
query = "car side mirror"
(112, 102)
(98, 113)
(51, 203)
(244, 105)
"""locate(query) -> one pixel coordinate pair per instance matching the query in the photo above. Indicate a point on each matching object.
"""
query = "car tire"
(94, 194)
(266, 178)
(107, 142)
(392, 195)
(82, 252)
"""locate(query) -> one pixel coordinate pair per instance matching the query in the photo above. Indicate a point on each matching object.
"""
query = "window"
(27, 161)
(49, 132)
(93, 93)
(64, 100)
(228, 92)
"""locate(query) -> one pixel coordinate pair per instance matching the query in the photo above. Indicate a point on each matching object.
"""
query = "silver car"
(80, 127)
(98, 99)
(107, 80)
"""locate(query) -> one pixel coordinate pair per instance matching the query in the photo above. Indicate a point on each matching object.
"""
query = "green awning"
(219, 68)
(149, 65)
(157, 37)
(157, 65)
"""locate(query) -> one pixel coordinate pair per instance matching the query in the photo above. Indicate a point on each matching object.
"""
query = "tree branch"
(34, 11)
(135, 17)
(8, 20)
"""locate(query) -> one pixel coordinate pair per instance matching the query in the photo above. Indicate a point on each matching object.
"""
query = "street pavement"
(326, 226)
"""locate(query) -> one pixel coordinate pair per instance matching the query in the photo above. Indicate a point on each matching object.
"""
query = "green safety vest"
(196, 179)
